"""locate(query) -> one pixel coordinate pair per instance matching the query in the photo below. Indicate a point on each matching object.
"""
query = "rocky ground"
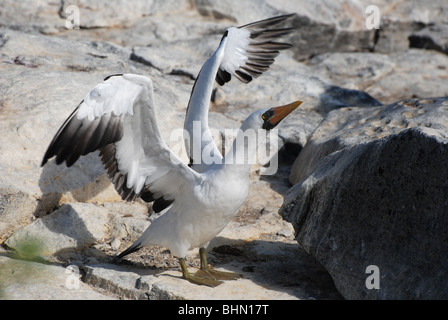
(349, 130)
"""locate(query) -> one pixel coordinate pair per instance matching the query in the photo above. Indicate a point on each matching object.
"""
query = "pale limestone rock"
(27, 280)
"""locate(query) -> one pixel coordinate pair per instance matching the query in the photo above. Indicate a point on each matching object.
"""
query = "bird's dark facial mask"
(273, 116)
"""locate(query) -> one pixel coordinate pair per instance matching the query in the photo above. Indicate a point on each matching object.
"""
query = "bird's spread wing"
(252, 48)
(244, 52)
(117, 117)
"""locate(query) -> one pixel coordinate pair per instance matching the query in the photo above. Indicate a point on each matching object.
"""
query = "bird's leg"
(205, 281)
(206, 272)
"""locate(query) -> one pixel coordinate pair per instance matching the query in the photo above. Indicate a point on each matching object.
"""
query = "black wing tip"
(222, 77)
(44, 161)
(270, 21)
(289, 15)
(243, 77)
(113, 75)
(159, 204)
(283, 17)
(50, 154)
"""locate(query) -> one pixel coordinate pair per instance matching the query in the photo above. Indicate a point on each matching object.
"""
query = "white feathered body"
(195, 220)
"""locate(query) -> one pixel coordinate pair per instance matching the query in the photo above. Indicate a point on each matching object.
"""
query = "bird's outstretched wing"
(252, 48)
(117, 118)
(245, 52)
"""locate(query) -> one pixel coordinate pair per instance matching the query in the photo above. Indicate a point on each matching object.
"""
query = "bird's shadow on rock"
(61, 185)
(85, 179)
(275, 265)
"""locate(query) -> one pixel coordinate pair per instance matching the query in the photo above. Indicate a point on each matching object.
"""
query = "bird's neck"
(201, 94)
(243, 151)
(198, 106)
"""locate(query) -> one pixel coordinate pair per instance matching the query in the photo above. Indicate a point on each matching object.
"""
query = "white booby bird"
(117, 118)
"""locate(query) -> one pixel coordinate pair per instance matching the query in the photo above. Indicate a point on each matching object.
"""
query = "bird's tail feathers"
(134, 247)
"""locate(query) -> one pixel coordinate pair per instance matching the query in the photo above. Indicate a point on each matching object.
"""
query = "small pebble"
(115, 244)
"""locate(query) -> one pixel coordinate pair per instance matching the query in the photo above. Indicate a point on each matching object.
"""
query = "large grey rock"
(371, 189)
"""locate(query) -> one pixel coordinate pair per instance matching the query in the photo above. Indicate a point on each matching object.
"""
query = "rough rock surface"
(387, 77)
(348, 127)
(433, 37)
(371, 190)
(48, 64)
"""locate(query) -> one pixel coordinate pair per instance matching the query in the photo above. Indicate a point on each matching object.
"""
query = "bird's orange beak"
(281, 112)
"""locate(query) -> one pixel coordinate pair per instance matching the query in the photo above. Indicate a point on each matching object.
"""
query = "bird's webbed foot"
(206, 272)
(196, 279)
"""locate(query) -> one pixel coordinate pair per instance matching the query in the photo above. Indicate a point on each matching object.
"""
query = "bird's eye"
(267, 115)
